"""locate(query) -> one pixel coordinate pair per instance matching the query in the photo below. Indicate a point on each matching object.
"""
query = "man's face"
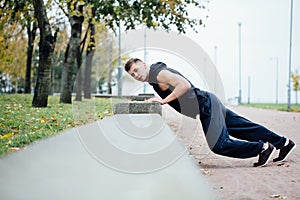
(139, 71)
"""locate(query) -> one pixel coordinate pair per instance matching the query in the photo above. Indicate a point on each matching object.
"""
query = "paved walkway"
(236, 178)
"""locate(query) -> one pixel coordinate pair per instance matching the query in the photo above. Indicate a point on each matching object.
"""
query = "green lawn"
(20, 124)
(282, 107)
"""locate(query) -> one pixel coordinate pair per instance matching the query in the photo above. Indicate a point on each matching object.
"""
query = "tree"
(296, 85)
(89, 55)
(153, 14)
(31, 32)
(104, 58)
(73, 50)
(46, 49)
(12, 52)
(59, 55)
(21, 12)
(12, 22)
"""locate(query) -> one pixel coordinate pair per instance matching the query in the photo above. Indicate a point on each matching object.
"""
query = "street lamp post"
(145, 54)
(120, 69)
(276, 80)
(249, 85)
(290, 58)
(215, 74)
(240, 65)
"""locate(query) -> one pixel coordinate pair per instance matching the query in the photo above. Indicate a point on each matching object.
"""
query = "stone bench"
(137, 107)
(139, 97)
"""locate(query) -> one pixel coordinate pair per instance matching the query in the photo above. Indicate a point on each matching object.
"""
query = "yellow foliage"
(7, 136)
(296, 80)
(12, 50)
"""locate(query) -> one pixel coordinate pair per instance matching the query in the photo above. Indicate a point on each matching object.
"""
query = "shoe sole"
(292, 149)
(270, 156)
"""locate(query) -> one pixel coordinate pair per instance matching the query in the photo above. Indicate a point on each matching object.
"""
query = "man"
(218, 122)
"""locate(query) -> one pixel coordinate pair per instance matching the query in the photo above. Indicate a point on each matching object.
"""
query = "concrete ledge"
(137, 107)
(142, 97)
(139, 97)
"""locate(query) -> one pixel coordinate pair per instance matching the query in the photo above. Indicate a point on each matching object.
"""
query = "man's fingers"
(154, 100)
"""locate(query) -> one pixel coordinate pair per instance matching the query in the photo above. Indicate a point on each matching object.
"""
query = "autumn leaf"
(278, 196)
(205, 171)
(7, 136)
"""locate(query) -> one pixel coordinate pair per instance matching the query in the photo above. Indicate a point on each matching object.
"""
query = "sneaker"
(285, 151)
(265, 156)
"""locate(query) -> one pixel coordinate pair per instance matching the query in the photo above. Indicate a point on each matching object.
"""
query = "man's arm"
(180, 84)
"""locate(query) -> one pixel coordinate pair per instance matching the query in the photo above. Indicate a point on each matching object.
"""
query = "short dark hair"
(130, 62)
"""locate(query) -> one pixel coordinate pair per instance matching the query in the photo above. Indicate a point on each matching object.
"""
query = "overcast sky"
(264, 35)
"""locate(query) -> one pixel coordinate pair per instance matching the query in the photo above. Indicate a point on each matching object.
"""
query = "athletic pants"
(247, 137)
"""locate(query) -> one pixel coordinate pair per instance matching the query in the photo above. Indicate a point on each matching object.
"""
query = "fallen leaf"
(275, 195)
(278, 196)
(7, 136)
(218, 187)
(205, 171)
(280, 164)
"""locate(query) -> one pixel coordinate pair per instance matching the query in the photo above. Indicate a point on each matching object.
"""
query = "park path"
(236, 178)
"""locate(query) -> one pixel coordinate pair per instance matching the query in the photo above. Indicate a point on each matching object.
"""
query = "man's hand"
(155, 100)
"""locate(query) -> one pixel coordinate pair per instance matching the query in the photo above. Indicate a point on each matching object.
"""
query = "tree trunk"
(109, 79)
(89, 58)
(30, 45)
(51, 89)
(72, 51)
(46, 49)
(78, 83)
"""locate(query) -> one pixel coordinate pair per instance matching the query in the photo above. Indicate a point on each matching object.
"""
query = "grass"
(281, 107)
(21, 124)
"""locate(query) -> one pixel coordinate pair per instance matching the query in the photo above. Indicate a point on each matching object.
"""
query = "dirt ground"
(236, 178)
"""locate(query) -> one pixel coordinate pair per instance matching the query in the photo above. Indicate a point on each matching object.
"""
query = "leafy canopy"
(153, 13)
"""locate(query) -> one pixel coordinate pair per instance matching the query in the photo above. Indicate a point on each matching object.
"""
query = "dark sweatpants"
(222, 122)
